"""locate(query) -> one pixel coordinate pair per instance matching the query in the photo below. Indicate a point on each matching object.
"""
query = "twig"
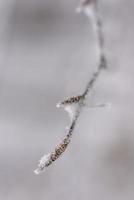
(74, 105)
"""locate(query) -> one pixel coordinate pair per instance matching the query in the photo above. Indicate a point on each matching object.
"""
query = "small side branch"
(74, 105)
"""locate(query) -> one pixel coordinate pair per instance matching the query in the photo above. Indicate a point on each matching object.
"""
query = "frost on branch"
(44, 162)
(87, 6)
(74, 105)
(99, 105)
(71, 105)
(48, 159)
(90, 9)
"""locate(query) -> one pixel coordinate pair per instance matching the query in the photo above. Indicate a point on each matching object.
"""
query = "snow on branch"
(75, 104)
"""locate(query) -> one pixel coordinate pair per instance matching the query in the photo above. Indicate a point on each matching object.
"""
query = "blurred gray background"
(47, 53)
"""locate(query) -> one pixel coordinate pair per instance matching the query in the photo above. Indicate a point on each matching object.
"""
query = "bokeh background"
(47, 53)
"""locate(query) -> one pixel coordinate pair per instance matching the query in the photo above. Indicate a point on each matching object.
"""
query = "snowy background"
(47, 53)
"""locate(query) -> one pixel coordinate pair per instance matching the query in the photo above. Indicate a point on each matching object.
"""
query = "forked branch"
(74, 105)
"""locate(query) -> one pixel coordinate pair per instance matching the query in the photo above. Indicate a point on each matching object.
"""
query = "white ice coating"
(42, 163)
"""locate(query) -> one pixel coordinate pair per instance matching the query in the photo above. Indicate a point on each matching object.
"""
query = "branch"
(74, 105)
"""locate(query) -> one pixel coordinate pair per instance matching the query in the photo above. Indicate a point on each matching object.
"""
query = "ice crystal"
(101, 105)
(71, 105)
(43, 163)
